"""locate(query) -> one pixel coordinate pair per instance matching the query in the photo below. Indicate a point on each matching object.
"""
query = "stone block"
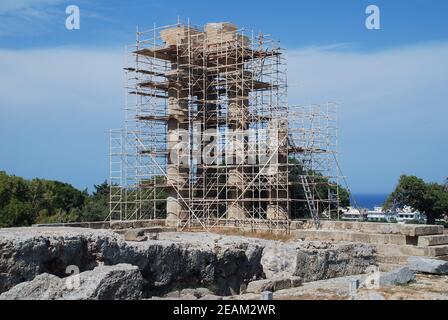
(135, 235)
(210, 297)
(281, 283)
(383, 228)
(350, 236)
(400, 250)
(296, 282)
(258, 286)
(118, 282)
(395, 277)
(427, 265)
(274, 284)
(436, 251)
(173, 294)
(197, 292)
(433, 240)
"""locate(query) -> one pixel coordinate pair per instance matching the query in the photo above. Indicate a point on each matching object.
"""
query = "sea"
(369, 201)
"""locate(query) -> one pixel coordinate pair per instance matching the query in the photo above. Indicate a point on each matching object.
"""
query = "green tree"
(96, 207)
(428, 198)
(24, 202)
(15, 208)
(15, 213)
(410, 191)
(321, 185)
(60, 216)
(435, 202)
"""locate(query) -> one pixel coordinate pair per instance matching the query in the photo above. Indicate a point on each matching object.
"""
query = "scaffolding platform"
(209, 138)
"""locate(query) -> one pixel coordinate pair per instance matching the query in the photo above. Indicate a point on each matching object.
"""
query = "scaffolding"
(209, 139)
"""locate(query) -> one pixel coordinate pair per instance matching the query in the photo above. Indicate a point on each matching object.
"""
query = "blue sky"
(60, 90)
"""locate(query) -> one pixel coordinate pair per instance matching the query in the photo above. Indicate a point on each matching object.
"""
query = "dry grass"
(250, 234)
(314, 294)
(306, 296)
(419, 289)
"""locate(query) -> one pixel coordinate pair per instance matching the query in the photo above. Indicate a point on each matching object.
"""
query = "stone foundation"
(174, 260)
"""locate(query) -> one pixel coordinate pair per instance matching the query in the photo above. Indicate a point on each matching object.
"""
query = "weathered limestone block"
(276, 212)
(181, 35)
(188, 297)
(259, 286)
(175, 260)
(427, 265)
(281, 283)
(274, 284)
(117, 282)
(210, 297)
(198, 292)
(436, 251)
(236, 211)
(135, 235)
(314, 261)
(121, 224)
(27, 252)
(44, 287)
(383, 228)
(433, 240)
(410, 250)
(296, 282)
(396, 277)
(350, 236)
(173, 294)
(121, 281)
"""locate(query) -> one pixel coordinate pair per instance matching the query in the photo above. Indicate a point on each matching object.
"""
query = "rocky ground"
(424, 287)
(39, 260)
(78, 263)
(121, 281)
